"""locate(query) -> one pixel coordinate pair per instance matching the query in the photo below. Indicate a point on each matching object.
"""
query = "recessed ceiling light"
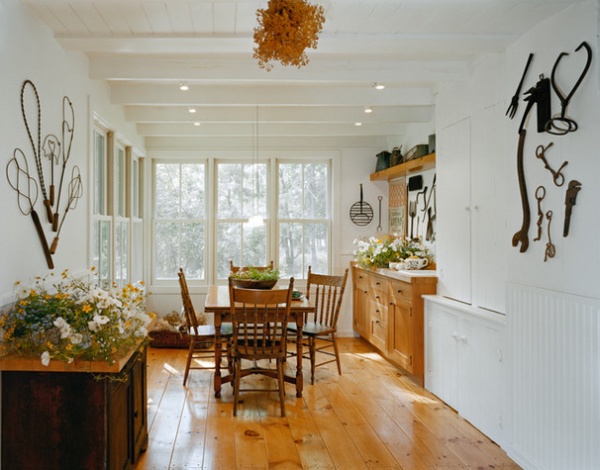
(379, 86)
(191, 109)
(184, 86)
(368, 110)
(197, 123)
(358, 124)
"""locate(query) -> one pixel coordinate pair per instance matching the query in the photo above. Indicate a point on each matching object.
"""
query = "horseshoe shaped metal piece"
(561, 124)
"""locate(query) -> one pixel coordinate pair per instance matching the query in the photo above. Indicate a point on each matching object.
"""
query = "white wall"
(29, 52)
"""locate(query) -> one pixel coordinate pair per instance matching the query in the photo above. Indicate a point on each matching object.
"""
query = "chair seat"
(209, 330)
(313, 329)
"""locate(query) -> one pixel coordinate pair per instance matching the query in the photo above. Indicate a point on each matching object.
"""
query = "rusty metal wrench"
(522, 235)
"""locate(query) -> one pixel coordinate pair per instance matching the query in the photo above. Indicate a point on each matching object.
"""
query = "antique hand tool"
(17, 173)
(550, 248)
(36, 142)
(521, 236)
(540, 194)
(561, 124)
(539, 95)
(570, 199)
(557, 176)
(514, 102)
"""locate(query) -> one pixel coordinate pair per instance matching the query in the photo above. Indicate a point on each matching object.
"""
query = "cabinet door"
(481, 377)
(361, 317)
(453, 210)
(402, 346)
(441, 376)
(119, 443)
(139, 405)
(489, 168)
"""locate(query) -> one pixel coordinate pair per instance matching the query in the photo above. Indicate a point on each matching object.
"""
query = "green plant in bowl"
(252, 277)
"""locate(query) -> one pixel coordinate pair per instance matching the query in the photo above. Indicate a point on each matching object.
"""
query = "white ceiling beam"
(364, 45)
(244, 143)
(299, 95)
(239, 70)
(303, 114)
(271, 129)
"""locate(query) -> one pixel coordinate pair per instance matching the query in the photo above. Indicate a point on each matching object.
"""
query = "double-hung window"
(101, 220)
(304, 217)
(179, 220)
(241, 195)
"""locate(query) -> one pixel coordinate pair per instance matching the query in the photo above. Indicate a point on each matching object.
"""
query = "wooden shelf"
(426, 162)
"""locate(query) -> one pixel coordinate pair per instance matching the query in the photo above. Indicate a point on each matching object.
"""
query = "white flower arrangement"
(74, 319)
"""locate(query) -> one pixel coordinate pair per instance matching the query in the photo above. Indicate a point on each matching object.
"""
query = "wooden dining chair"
(259, 319)
(320, 327)
(202, 337)
(234, 269)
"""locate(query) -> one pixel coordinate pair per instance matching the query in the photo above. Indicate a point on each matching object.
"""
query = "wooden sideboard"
(65, 417)
(389, 312)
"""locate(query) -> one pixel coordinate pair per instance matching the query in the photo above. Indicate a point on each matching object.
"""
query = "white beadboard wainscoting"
(555, 375)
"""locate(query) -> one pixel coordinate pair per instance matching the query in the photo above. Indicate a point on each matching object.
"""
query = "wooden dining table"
(217, 303)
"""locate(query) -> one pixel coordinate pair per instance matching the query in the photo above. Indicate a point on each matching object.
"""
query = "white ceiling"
(145, 48)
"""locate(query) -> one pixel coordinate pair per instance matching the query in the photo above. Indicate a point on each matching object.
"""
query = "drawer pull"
(399, 291)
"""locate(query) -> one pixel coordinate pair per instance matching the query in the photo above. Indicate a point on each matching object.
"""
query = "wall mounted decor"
(56, 152)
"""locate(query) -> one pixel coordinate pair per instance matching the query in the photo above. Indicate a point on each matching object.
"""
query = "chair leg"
(337, 354)
(236, 387)
(189, 361)
(280, 384)
(312, 344)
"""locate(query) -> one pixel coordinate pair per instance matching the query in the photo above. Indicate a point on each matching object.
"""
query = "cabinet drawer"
(361, 281)
(400, 292)
(379, 313)
(379, 326)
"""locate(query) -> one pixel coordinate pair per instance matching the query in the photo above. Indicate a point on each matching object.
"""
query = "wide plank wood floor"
(371, 417)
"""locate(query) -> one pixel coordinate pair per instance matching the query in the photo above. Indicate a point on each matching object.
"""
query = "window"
(179, 220)
(303, 218)
(193, 230)
(102, 222)
(241, 194)
(121, 235)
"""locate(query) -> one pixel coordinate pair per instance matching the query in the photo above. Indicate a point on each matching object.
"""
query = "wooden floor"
(371, 417)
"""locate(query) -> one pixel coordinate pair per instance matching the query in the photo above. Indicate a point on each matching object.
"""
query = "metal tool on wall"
(26, 186)
(550, 247)
(570, 200)
(561, 124)
(36, 141)
(380, 198)
(412, 212)
(429, 232)
(514, 102)
(557, 176)
(17, 173)
(361, 213)
(540, 194)
(74, 192)
(522, 236)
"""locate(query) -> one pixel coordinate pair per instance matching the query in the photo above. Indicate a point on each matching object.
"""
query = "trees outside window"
(179, 234)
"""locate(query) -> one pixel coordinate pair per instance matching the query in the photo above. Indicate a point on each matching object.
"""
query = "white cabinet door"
(482, 384)
(464, 365)
(453, 199)
(441, 354)
(489, 168)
